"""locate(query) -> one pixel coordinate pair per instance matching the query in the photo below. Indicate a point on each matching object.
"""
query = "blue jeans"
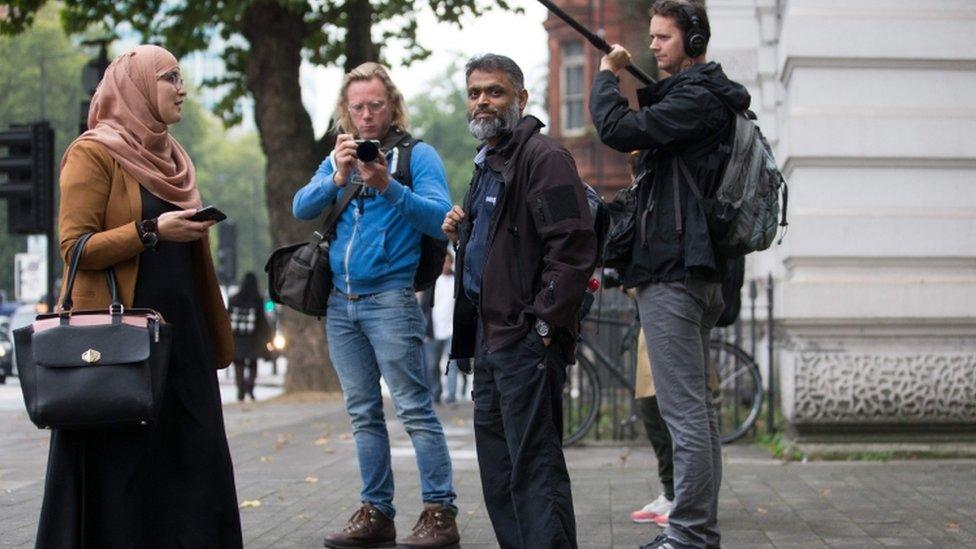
(434, 350)
(382, 335)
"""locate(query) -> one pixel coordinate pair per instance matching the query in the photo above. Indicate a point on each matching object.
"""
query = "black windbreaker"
(541, 248)
(688, 116)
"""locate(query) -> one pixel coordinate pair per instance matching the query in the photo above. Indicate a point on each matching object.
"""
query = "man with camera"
(374, 324)
(525, 251)
(683, 128)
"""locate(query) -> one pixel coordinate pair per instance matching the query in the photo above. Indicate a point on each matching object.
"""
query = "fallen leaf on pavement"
(265, 459)
(321, 441)
(345, 436)
(311, 480)
(250, 503)
(952, 526)
(762, 511)
(825, 492)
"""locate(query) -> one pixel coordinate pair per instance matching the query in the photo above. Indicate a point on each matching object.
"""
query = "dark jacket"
(541, 248)
(686, 116)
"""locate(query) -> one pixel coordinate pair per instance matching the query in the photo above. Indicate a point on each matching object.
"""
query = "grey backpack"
(746, 205)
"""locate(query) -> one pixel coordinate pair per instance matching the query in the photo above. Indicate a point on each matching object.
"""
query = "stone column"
(876, 279)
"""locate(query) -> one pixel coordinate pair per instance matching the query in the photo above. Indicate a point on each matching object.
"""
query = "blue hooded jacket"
(377, 244)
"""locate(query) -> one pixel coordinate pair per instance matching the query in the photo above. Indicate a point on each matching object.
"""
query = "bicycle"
(737, 399)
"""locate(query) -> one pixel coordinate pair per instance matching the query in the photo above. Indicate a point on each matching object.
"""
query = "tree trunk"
(359, 34)
(275, 35)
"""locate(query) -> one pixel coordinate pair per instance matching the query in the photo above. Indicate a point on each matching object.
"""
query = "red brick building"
(573, 63)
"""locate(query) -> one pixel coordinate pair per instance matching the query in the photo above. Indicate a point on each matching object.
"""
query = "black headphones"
(696, 38)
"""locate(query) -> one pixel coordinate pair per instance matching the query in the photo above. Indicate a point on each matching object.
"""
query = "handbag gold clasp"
(91, 356)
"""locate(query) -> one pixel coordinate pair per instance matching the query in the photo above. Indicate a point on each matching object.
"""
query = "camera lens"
(367, 151)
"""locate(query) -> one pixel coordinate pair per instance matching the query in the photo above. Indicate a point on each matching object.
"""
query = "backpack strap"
(404, 146)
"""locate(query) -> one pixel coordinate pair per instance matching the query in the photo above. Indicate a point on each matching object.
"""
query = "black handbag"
(299, 275)
(96, 367)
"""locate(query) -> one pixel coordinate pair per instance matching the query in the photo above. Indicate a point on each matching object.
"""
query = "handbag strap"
(332, 217)
(76, 253)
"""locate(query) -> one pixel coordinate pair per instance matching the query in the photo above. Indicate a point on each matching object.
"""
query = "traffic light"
(27, 177)
(227, 252)
(91, 75)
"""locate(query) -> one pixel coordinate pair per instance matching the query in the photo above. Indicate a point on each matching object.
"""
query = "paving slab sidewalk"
(297, 479)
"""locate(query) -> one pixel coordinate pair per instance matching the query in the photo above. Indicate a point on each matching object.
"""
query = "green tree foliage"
(40, 63)
(439, 117)
(263, 44)
(230, 175)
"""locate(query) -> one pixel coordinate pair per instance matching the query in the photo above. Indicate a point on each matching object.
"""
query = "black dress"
(170, 484)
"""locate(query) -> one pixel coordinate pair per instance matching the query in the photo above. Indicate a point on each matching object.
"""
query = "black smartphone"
(210, 213)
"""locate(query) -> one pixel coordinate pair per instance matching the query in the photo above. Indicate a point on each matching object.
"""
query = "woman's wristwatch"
(149, 232)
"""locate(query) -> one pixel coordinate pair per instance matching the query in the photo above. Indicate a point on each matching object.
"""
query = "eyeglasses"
(174, 78)
(373, 107)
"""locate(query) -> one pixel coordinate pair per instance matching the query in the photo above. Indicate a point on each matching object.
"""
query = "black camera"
(367, 150)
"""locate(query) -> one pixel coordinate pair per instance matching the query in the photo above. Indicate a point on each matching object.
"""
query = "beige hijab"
(124, 117)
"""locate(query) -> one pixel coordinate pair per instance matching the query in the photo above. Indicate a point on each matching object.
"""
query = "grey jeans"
(677, 318)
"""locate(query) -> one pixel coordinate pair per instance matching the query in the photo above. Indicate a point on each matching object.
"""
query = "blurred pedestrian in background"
(251, 334)
(442, 325)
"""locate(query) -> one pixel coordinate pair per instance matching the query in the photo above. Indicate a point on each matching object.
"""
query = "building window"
(572, 87)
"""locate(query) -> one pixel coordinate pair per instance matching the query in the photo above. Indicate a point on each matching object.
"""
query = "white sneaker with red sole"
(662, 520)
(650, 512)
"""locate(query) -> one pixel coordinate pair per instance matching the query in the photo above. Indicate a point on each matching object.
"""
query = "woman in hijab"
(128, 181)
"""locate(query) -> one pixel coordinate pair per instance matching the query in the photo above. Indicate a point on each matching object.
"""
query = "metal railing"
(610, 330)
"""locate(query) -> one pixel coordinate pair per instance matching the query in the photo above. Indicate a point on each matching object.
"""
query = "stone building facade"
(871, 110)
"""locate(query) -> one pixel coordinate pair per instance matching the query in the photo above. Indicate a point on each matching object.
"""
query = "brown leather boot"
(435, 528)
(367, 527)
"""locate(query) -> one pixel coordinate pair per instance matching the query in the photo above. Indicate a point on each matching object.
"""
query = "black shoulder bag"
(299, 275)
(93, 368)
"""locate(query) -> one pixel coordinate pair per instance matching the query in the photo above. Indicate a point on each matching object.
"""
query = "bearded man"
(525, 250)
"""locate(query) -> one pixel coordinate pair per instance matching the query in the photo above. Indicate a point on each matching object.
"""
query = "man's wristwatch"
(542, 328)
(149, 232)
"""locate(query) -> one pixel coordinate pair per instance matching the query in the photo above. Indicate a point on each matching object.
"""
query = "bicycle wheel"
(739, 396)
(581, 399)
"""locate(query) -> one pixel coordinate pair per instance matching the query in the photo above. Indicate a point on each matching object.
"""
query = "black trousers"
(518, 433)
(246, 375)
(657, 433)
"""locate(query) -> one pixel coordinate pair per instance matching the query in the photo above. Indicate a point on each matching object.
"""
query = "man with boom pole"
(683, 129)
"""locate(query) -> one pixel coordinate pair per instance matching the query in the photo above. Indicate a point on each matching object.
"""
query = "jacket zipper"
(356, 214)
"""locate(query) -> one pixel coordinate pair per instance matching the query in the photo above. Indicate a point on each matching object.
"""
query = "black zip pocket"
(542, 210)
(519, 273)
